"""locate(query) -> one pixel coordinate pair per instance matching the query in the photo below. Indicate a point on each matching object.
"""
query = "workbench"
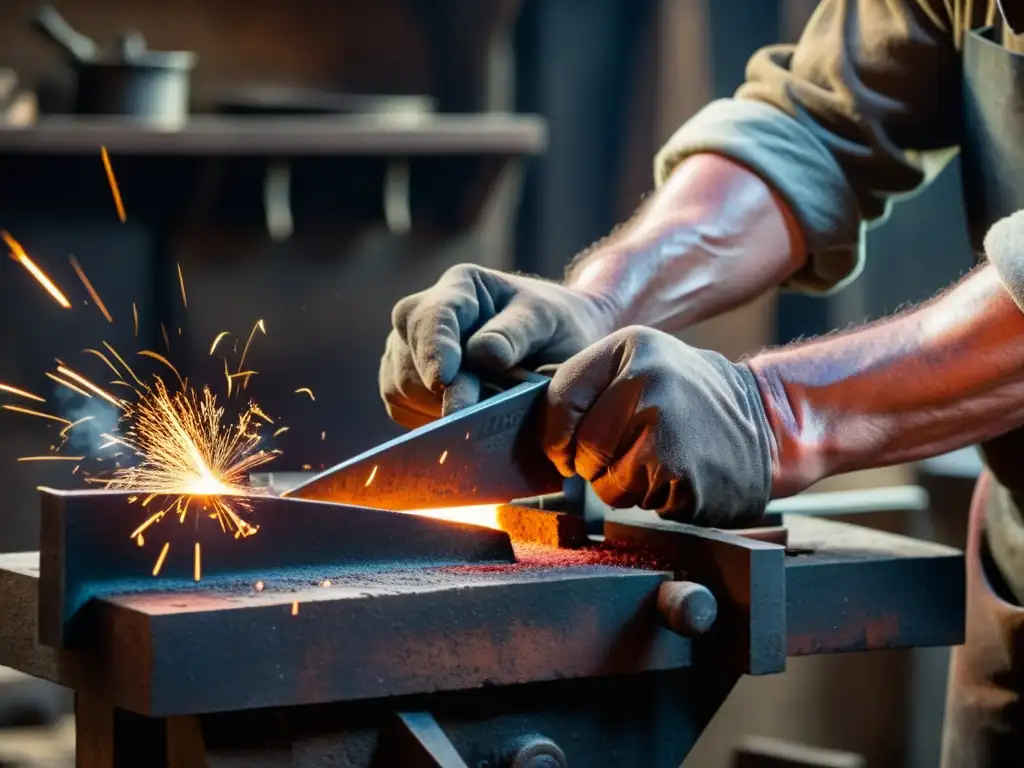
(560, 657)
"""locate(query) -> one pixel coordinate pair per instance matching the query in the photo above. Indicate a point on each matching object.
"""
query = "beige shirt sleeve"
(862, 110)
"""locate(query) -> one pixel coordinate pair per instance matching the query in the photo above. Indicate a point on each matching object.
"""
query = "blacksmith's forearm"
(713, 237)
(944, 376)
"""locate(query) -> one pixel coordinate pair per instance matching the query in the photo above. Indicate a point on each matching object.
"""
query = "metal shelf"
(344, 135)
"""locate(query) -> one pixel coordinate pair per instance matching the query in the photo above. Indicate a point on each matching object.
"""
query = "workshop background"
(321, 247)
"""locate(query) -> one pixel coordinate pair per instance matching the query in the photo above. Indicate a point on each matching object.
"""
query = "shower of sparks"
(181, 282)
(113, 185)
(89, 288)
(188, 451)
(21, 393)
(305, 391)
(19, 255)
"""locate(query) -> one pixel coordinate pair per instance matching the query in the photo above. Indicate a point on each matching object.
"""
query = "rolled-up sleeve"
(862, 110)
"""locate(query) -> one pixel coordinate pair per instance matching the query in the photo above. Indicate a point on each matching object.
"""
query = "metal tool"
(487, 453)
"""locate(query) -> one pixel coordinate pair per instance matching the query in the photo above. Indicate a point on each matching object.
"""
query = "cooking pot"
(131, 81)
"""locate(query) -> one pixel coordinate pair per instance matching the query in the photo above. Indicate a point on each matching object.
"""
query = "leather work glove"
(653, 422)
(490, 320)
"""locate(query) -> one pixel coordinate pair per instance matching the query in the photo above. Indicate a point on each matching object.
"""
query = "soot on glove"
(653, 422)
(479, 318)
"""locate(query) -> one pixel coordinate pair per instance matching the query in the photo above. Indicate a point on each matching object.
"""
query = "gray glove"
(487, 319)
(653, 422)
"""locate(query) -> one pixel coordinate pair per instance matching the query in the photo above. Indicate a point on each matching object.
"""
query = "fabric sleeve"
(862, 110)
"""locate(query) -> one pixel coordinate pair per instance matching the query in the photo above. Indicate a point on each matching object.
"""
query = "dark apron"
(985, 707)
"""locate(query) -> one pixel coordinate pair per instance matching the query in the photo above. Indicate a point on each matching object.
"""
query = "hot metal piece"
(86, 551)
(488, 453)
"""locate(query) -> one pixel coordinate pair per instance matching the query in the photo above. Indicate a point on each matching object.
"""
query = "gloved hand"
(492, 320)
(653, 422)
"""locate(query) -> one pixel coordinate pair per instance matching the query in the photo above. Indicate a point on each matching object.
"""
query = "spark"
(121, 360)
(444, 456)
(104, 358)
(258, 586)
(161, 359)
(88, 287)
(84, 382)
(68, 384)
(323, 436)
(39, 414)
(306, 391)
(167, 340)
(140, 541)
(295, 608)
(217, 340)
(21, 393)
(19, 255)
(135, 317)
(113, 185)
(181, 282)
(245, 350)
(161, 558)
(72, 425)
(260, 414)
(188, 450)
(280, 431)
(51, 458)
(325, 583)
(197, 570)
(369, 480)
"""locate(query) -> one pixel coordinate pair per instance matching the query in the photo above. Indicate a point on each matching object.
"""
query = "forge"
(341, 635)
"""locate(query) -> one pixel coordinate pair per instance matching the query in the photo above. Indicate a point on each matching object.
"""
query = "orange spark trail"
(197, 569)
(72, 425)
(19, 255)
(78, 379)
(181, 282)
(135, 315)
(160, 560)
(51, 458)
(68, 384)
(113, 185)
(21, 393)
(39, 414)
(88, 287)
(217, 341)
(305, 390)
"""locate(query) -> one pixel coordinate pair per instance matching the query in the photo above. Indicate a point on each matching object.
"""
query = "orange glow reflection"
(484, 515)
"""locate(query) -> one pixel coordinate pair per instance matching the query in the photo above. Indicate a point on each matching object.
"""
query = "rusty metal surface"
(746, 576)
(481, 455)
(368, 638)
(555, 614)
(850, 588)
(86, 549)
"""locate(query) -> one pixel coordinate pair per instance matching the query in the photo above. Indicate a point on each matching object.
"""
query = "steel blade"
(488, 453)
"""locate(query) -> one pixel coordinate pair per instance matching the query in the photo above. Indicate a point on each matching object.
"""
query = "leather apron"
(985, 706)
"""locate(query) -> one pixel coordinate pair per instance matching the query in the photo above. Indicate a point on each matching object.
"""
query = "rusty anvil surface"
(463, 616)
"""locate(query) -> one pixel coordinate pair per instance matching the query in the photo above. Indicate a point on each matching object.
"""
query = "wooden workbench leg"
(107, 737)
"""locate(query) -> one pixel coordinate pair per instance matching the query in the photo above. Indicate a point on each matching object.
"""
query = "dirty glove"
(482, 319)
(653, 422)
